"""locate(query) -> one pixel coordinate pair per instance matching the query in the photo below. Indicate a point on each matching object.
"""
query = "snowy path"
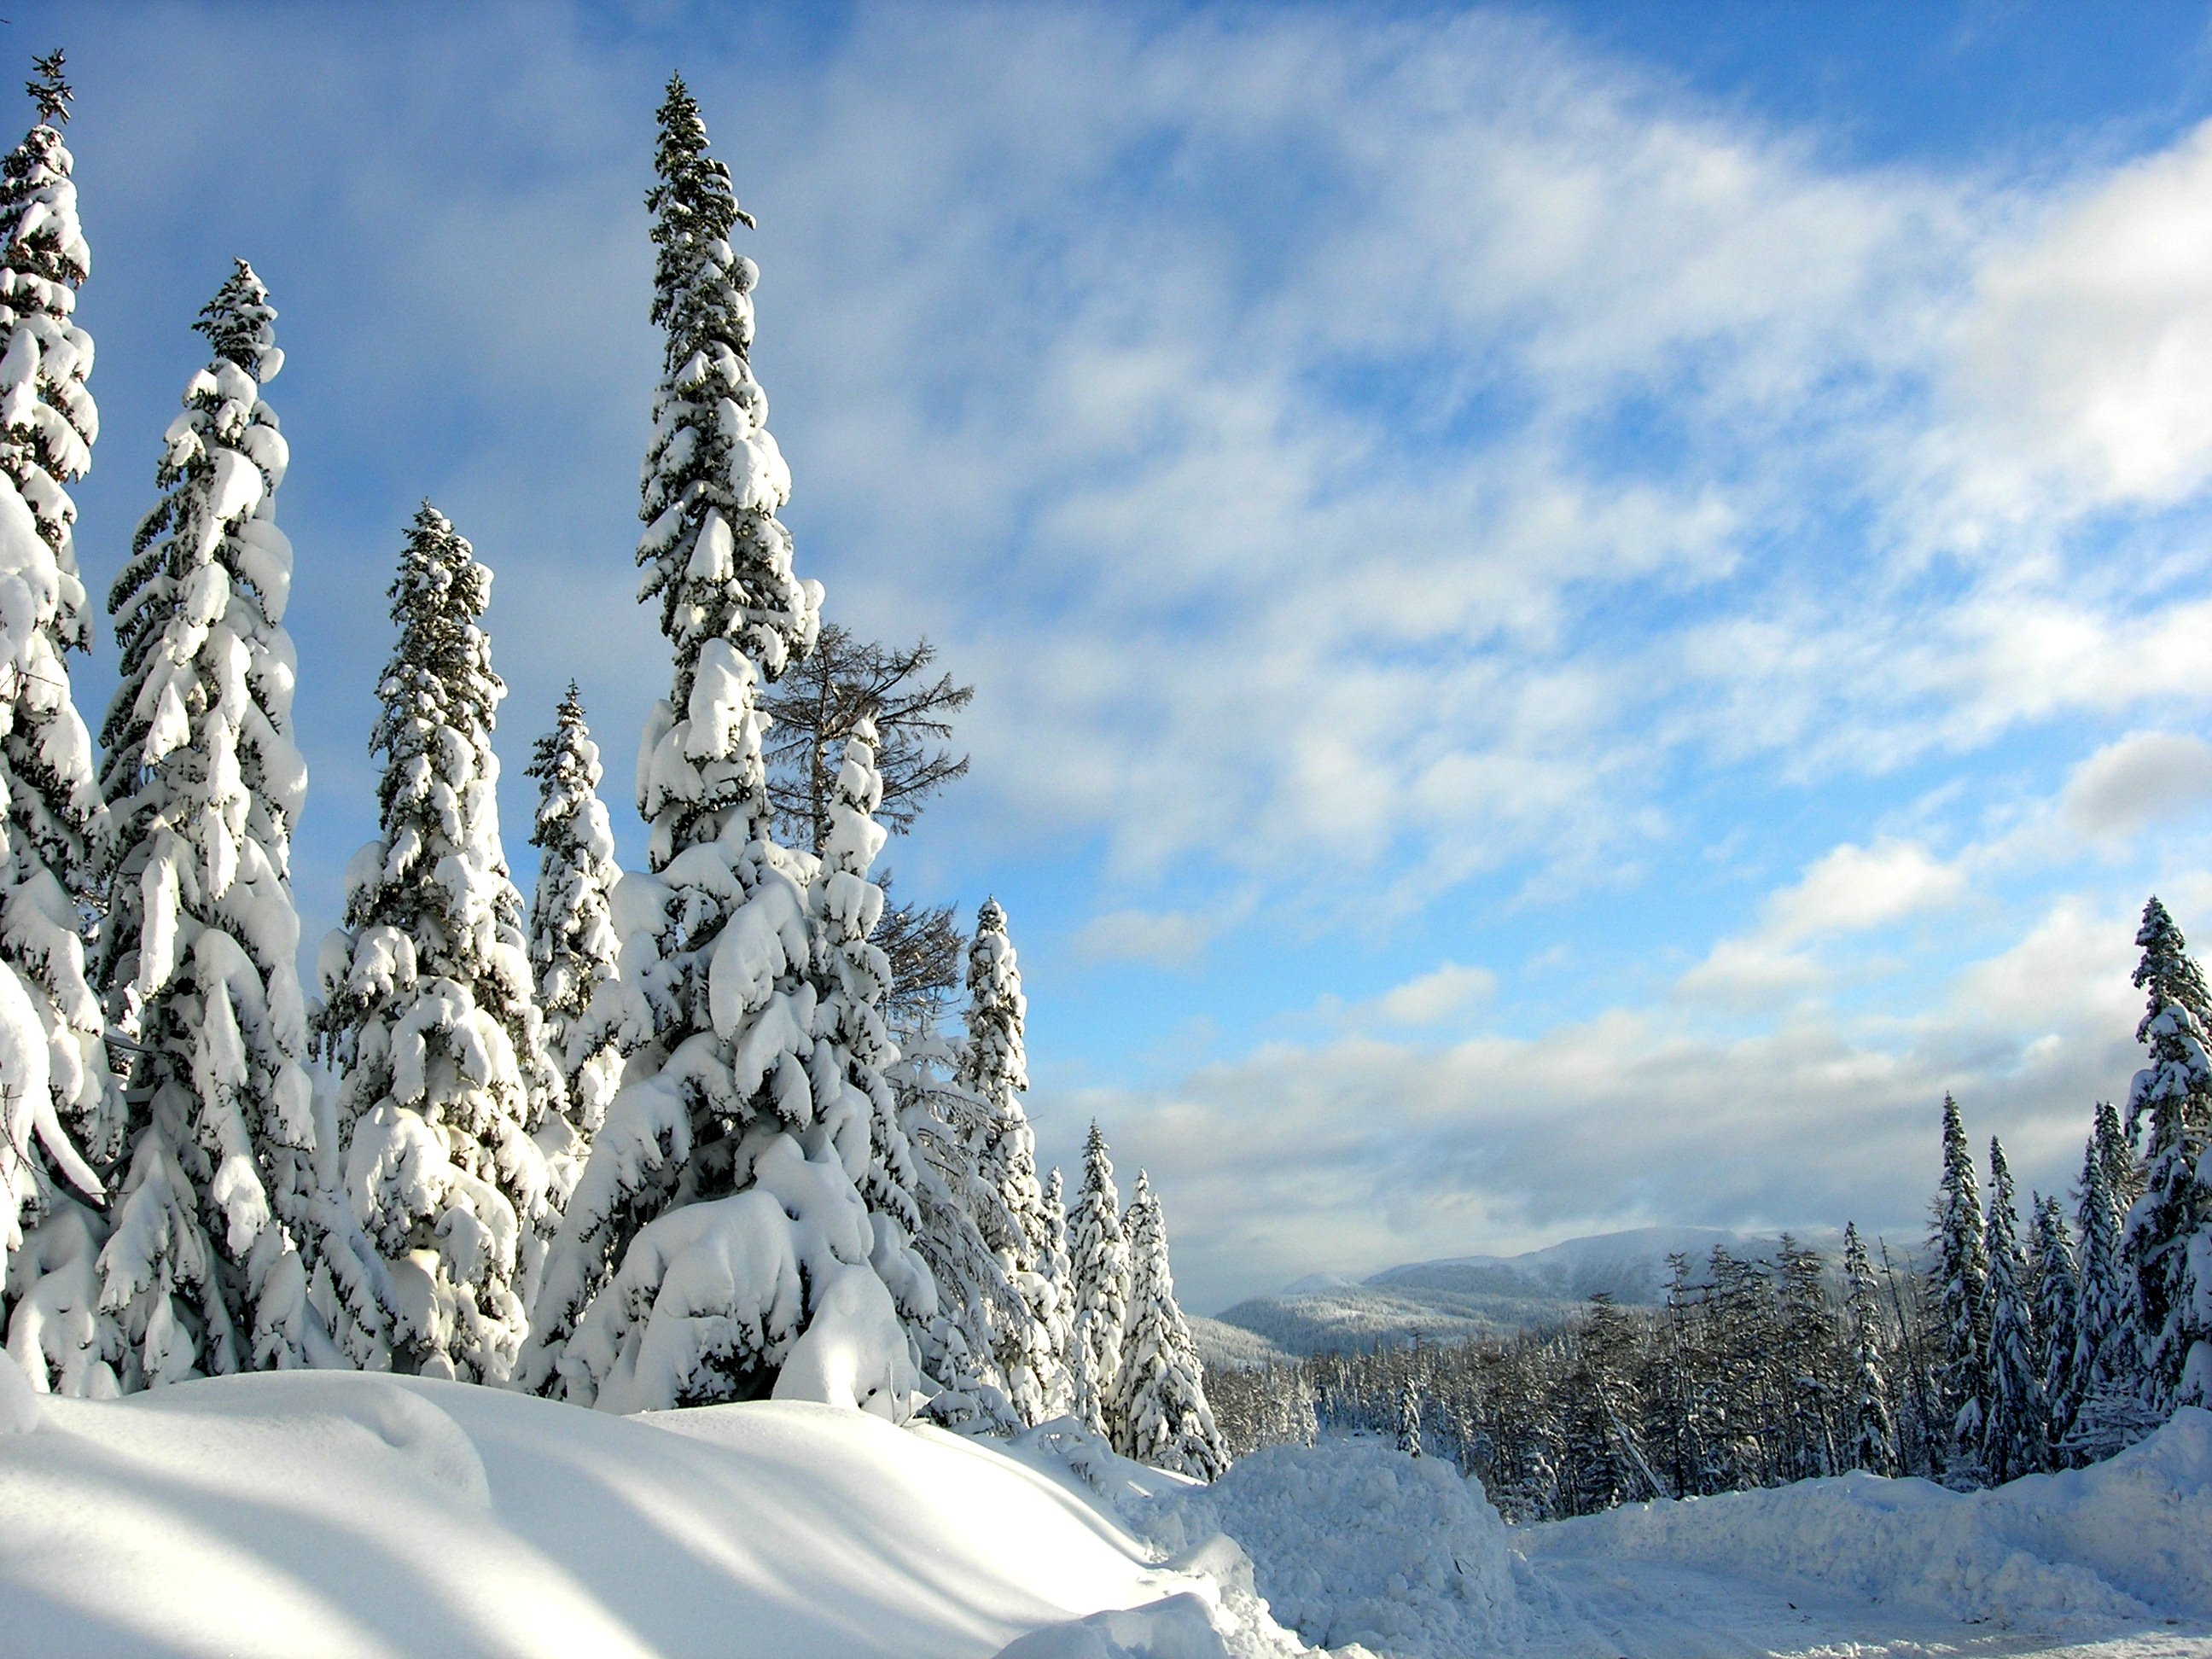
(1583, 1608)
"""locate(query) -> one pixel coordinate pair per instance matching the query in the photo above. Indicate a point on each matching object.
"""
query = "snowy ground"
(327, 1514)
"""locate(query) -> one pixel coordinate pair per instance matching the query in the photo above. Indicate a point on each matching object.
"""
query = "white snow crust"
(346, 1514)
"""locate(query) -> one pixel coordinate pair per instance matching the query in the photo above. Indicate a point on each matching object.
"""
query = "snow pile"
(342, 1514)
(2122, 1541)
(1352, 1542)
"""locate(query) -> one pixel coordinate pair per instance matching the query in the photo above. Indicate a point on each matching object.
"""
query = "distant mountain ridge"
(1457, 1298)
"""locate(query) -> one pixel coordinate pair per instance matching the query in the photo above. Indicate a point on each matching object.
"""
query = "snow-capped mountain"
(1459, 1297)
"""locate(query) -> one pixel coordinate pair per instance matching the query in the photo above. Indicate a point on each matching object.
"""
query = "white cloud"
(2139, 779)
(1848, 890)
(1853, 889)
(1750, 974)
(1449, 988)
(2087, 356)
(1175, 938)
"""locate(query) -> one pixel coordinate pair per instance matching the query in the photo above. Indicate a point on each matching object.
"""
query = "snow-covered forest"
(693, 1133)
(662, 1258)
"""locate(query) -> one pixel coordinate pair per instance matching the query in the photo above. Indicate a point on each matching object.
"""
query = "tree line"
(2017, 1339)
(689, 1133)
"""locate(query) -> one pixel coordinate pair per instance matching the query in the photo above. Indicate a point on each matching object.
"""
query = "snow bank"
(1352, 1542)
(340, 1514)
(2127, 1540)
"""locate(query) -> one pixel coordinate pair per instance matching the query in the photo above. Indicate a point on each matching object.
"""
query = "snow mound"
(2129, 1539)
(338, 1514)
(1352, 1542)
(1178, 1628)
(19, 1400)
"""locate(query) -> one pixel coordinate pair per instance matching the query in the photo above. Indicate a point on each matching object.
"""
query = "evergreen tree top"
(692, 200)
(562, 754)
(240, 323)
(440, 671)
(1958, 1184)
(2167, 970)
(2001, 1187)
(49, 88)
(1141, 1201)
(2054, 1240)
(439, 587)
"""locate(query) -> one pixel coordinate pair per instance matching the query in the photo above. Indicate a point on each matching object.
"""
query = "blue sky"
(1576, 610)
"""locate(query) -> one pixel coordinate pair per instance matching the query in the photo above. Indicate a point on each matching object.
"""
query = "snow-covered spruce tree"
(719, 1225)
(61, 1102)
(1872, 1424)
(2057, 1313)
(2167, 1242)
(1159, 1395)
(572, 947)
(1030, 1348)
(1098, 1277)
(1059, 1270)
(1806, 1357)
(203, 1272)
(945, 1126)
(1409, 1419)
(427, 1012)
(854, 1046)
(2016, 1426)
(2108, 1414)
(2105, 1348)
(1960, 1251)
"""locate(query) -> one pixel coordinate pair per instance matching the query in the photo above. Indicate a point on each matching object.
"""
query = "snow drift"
(344, 1514)
(1352, 1542)
(2122, 1541)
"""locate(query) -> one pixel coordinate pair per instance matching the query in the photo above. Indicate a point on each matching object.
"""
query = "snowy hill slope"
(338, 1514)
(1231, 1347)
(1463, 1296)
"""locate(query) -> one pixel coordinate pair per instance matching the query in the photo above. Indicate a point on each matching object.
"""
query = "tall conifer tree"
(2108, 1414)
(572, 947)
(2170, 1225)
(203, 784)
(854, 1049)
(2106, 1349)
(428, 1012)
(946, 1127)
(1873, 1423)
(1160, 1406)
(720, 1219)
(2057, 1318)
(993, 1068)
(60, 1104)
(2015, 1426)
(1960, 1254)
(1099, 1277)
